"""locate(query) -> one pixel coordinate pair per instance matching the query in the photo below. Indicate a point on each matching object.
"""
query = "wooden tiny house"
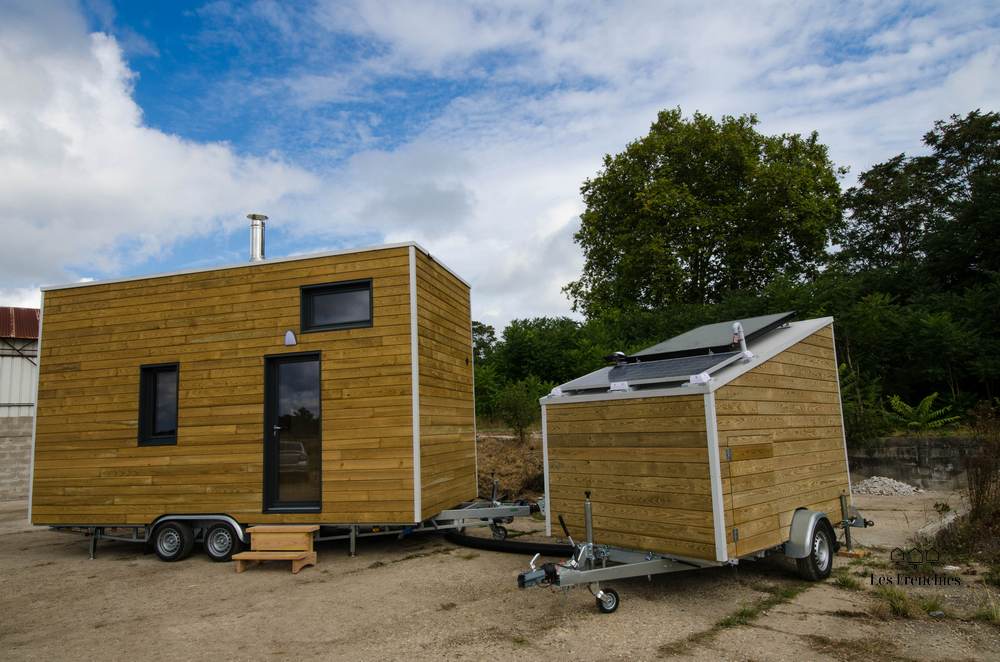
(698, 448)
(327, 389)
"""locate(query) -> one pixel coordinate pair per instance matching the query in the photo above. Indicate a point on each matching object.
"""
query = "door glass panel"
(299, 439)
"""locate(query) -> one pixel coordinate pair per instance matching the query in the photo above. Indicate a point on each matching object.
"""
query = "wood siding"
(219, 325)
(645, 462)
(447, 407)
(783, 422)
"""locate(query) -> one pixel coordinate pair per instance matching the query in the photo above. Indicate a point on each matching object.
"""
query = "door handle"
(276, 428)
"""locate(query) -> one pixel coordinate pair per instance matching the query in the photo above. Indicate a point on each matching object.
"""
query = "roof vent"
(257, 237)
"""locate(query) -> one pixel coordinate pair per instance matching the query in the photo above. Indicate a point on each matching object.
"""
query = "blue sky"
(135, 136)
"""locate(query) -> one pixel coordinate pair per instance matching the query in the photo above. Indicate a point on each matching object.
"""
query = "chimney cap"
(257, 217)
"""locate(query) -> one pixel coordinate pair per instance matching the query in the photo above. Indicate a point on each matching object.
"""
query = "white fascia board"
(687, 389)
(768, 347)
(244, 265)
(715, 474)
(843, 428)
(545, 472)
(415, 386)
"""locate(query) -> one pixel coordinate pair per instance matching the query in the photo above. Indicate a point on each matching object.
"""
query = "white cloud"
(86, 185)
(490, 183)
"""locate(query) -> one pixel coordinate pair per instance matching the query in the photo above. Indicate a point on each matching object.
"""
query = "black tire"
(609, 603)
(221, 542)
(818, 565)
(173, 541)
(499, 532)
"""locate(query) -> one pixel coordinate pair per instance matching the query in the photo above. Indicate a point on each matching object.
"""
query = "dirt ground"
(424, 598)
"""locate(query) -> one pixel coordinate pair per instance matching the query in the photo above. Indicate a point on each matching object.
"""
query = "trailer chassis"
(592, 564)
(493, 513)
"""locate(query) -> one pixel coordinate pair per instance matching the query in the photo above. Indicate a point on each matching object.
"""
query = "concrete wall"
(15, 457)
(930, 463)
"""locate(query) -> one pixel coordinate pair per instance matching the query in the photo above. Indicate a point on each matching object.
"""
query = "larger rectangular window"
(158, 404)
(331, 306)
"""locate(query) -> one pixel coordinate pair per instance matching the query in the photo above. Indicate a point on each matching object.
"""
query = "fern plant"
(920, 419)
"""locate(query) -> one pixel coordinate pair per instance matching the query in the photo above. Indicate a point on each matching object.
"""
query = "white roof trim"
(768, 347)
(686, 389)
(243, 265)
(763, 349)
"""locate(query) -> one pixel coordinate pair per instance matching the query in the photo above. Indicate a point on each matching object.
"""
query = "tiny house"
(331, 389)
(704, 446)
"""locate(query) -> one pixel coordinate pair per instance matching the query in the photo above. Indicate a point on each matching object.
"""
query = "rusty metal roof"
(18, 322)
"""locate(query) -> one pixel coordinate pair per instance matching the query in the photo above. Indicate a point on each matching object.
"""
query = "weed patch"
(745, 615)
(892, 602)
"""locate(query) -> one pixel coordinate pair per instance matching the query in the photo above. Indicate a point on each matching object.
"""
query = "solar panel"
(663, 371)
(707, 348)
(669, 370)
(589, 382)
(713, 337)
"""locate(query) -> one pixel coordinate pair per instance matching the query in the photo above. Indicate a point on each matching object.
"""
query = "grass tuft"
(932, 603)
(893, 603)
(843, 579)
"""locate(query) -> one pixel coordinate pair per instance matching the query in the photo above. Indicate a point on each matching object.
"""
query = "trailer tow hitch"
(592, 564)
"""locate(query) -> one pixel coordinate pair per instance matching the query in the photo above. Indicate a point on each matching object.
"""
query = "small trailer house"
(331, 389)
(698, 447)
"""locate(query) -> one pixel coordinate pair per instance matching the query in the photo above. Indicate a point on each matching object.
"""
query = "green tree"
(964, 242)
(700, 207)
(484, 341)
(891, 208)
(548, 348)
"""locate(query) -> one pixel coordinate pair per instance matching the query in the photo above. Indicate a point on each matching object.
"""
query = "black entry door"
(292, 434)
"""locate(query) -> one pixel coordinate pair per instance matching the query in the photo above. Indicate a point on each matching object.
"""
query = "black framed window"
(158, 404)
(346, 305)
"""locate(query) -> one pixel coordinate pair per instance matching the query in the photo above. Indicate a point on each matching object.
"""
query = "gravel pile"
(882, 486)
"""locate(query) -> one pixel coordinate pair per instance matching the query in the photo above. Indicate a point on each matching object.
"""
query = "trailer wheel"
(173, 541)
(499, 532)
(221, 542)
(819, 563)
(609, 603)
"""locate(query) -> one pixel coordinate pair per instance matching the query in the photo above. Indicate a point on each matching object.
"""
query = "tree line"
(704, 220)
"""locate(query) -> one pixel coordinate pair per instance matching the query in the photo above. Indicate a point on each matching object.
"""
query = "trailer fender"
(804, 523)
(202, 521)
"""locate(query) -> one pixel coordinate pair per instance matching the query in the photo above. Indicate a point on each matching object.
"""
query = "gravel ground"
(423, 598)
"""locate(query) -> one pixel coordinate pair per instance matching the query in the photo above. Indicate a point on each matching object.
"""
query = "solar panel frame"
(706, 338)
(677, 369)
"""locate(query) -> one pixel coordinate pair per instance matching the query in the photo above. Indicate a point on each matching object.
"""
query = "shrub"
(982, 466)
(920, 419)
(517, 404)
(864, 418)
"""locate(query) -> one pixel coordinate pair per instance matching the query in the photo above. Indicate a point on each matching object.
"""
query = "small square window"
(331, 306)
(158, 404)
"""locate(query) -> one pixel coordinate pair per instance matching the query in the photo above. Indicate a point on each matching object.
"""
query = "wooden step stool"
(279, 543)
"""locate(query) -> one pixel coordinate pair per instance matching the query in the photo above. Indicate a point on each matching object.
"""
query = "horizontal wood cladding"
(645, 462)
(783, 424)
(447, 408)
(219, 325)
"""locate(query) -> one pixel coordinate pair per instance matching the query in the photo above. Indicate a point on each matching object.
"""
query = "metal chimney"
(257, 237)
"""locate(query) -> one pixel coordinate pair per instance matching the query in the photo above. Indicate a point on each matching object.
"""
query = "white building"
(18, 376)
